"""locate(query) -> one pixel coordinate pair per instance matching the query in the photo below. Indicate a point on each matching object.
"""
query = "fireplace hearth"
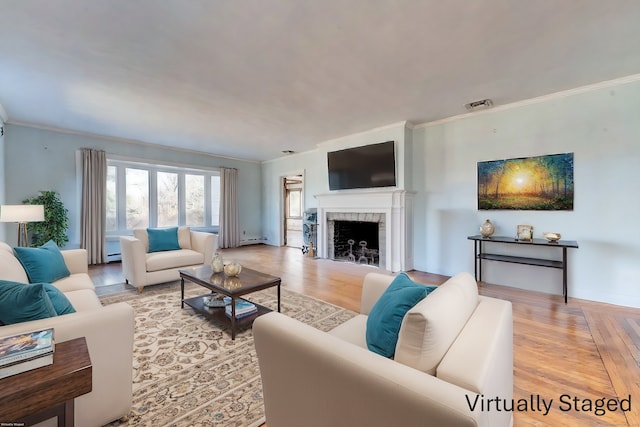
(356, 241)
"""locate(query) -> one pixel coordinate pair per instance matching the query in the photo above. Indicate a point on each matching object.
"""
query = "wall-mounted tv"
(368, 166)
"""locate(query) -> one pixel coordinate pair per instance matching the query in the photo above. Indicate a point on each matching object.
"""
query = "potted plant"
(56, 220)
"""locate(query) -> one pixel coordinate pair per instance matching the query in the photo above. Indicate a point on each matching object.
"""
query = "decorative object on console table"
(24, 352)
(525, 233)
(552, 237)
(480, 254)
(487, 229)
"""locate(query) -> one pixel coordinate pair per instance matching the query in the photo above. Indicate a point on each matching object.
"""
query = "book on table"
(243, 308)
(24, 352)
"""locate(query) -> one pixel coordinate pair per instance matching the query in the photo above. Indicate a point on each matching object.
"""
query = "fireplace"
(356, 237)
(389, 211)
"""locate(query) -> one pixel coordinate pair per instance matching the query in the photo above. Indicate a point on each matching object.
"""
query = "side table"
(37, 395)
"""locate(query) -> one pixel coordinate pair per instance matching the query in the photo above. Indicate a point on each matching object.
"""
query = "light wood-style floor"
(582, 350)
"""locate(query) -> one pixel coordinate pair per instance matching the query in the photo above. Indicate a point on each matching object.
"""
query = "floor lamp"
(22, 214)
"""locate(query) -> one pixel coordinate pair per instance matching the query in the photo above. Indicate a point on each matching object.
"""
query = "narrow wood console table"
(480, 254)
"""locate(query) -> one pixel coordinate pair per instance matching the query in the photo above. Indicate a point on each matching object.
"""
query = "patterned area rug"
(188, 372)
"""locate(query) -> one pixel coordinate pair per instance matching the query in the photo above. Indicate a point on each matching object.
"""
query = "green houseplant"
(56, 220)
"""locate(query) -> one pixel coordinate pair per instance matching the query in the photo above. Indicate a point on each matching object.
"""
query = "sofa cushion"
(353, 330)
(184, 237)
(385, 318)
(431, 326)
(75, 282)
(84, 300)
(11, 267)
(43, 264)
(20, 302)
(157, 261)
(163, 239)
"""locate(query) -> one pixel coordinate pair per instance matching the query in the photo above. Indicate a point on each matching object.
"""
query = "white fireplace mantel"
(397, 205)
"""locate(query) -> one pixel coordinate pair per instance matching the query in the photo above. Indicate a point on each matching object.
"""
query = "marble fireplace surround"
(392, 209)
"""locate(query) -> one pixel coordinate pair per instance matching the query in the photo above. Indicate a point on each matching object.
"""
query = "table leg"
(182, 292)
(278, 297)
(68, 418)
(233, 318)
(564, 274)
(479, 259)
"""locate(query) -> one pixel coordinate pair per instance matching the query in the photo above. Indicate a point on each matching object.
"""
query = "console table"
(37, 395)
(480, 254)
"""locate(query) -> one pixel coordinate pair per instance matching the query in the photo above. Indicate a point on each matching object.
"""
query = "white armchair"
(142, 268)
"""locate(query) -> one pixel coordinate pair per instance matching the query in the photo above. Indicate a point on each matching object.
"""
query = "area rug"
(186, 369)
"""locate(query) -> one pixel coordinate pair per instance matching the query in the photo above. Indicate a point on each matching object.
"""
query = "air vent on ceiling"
(478, 105)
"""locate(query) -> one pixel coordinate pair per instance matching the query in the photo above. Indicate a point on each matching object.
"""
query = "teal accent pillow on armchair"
(163, 239)
(43, 264)
(385, 318)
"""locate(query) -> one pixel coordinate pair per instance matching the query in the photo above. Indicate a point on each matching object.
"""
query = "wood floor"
(582, 350)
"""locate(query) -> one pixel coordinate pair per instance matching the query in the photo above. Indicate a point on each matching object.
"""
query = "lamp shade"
(21, 213)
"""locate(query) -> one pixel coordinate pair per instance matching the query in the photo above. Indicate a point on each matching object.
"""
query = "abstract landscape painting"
(531, 183)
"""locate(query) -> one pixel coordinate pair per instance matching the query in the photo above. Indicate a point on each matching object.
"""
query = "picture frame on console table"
(524, 233)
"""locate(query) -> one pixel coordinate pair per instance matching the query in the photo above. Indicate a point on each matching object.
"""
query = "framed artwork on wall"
(528, 183)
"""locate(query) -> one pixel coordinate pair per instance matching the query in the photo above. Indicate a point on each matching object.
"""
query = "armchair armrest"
(76, 260)
(134, 260)
(205, 243)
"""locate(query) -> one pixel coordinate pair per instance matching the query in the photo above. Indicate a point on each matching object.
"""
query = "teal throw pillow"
(385, 318)
(163, 239)
(61, 303)
(20, 302)
(44, 264)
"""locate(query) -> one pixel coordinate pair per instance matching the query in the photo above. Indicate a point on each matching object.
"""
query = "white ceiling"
(250, 78)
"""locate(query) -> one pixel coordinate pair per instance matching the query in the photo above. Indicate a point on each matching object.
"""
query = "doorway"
(293, 211)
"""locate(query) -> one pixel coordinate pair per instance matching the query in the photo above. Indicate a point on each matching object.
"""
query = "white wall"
(313, 166)
(39, 159)
(3, 236)
(601, 126)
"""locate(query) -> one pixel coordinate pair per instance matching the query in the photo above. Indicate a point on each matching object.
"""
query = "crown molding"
(128, 141)
(539, 99)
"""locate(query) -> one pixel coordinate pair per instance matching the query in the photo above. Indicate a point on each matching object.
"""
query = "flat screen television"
(368, 166)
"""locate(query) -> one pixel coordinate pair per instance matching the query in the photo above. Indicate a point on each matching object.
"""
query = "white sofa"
(108, 331)
(452, 347)
(142, 268)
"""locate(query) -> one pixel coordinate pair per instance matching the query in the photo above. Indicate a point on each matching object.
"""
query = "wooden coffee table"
(246, 282)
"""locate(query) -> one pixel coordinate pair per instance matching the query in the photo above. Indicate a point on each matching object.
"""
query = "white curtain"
(229, 234)
(93, 216)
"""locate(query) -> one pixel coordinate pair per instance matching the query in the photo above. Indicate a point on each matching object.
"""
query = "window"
(145, 195)
(167, 199)
(194, 193)
(137, 198)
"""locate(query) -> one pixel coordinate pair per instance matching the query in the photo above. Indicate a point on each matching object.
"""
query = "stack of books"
(243, 308)
(24, 352)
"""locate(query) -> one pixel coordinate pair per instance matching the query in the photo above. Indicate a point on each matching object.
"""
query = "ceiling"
(251, 78)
